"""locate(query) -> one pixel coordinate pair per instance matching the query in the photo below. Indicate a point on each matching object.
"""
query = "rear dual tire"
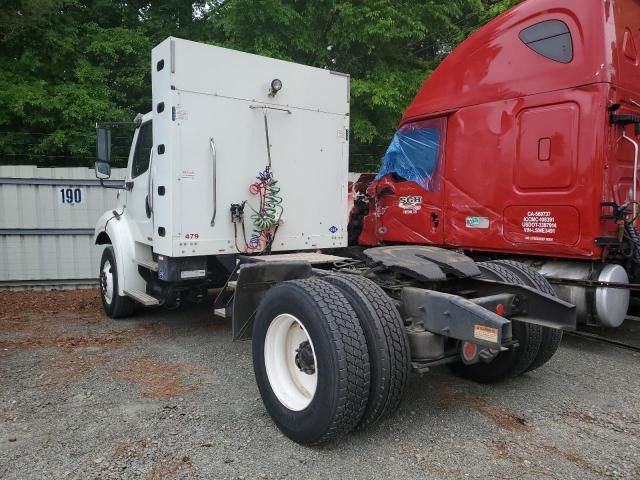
(329, 355)
(551, 337)
(536, 344)
(387, 344)
(333, 403)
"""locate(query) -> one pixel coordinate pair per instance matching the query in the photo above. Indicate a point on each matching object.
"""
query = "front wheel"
(114, 305)
(310, 360)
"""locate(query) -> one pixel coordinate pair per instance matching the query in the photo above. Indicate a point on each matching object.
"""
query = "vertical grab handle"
(634, 189)
(148, 202)
(212, 145)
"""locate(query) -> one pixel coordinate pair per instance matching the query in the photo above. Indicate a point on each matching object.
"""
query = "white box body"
(207, 92)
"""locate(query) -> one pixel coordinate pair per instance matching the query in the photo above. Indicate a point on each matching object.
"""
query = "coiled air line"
(265, 219)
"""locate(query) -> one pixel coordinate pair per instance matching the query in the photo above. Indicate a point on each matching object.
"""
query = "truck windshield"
(415, 153)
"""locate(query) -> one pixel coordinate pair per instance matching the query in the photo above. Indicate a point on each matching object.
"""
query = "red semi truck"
(523, 144)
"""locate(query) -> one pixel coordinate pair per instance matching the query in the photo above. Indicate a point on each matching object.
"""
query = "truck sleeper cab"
(536, 121)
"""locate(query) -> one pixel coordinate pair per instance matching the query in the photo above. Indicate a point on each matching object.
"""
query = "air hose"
(267, 217)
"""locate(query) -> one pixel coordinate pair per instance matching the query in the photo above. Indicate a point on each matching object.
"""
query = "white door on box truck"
(139, 198)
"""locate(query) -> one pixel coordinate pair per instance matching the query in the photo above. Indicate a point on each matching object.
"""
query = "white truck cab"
(229, 132)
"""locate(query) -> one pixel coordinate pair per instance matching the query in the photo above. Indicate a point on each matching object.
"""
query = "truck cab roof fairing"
(499, 62)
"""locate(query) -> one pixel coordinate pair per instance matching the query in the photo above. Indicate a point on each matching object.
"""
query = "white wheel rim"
(295, 388)
(106, 282)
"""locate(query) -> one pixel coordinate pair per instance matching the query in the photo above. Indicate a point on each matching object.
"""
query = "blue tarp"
(414, 155)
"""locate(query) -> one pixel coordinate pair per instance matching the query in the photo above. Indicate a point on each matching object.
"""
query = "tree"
(67, 64)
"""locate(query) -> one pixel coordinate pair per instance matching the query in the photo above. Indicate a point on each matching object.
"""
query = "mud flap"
(253, 282)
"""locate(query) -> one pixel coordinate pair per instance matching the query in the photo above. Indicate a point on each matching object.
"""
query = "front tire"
(114, 305)
(310, 360)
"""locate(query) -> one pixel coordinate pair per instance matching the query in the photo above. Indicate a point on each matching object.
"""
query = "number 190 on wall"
(70, 196)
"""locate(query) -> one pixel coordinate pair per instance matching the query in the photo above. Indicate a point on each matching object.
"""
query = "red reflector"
(469, 351)
(500, 309)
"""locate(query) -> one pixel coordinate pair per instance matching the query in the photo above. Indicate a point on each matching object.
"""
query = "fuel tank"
(595, 306)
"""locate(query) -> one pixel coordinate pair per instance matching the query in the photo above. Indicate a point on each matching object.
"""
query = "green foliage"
(67, 64)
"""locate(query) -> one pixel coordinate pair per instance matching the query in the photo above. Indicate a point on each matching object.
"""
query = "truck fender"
(113, 228)
(254, 280)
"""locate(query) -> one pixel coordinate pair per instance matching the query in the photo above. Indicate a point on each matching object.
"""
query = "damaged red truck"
(523, 144)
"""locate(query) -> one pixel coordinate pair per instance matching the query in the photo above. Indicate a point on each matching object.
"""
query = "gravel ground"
(168, 395)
